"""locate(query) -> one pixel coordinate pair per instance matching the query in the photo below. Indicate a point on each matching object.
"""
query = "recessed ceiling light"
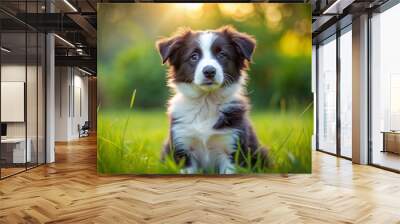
(84, 71)
(64, 40)
(5, 50)
(337, 7)
(70, 5)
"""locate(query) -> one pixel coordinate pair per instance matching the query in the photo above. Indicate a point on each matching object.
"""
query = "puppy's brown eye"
(195, 57)
(221, 55)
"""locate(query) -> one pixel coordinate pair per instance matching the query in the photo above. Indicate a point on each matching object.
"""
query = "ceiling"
(75, 23)
(331, 15)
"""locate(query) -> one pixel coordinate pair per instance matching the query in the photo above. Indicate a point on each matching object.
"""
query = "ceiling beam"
(320, 23)
(49, 22)
(80, 61)
(337, 7)
(85, 25)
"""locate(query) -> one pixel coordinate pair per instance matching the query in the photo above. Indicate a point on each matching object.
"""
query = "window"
(385, 89)
(346, 93)
(22, 77)
(327, 96)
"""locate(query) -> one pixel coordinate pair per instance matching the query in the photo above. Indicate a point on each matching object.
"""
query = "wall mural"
(204, 88)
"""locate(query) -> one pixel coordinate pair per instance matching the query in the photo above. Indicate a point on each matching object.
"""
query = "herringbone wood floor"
(70, 191)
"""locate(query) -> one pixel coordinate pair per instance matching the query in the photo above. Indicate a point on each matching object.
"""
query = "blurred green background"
(131, 135)
(280, 77)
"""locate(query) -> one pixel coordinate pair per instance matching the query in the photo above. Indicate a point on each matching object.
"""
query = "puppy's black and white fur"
(208, 111)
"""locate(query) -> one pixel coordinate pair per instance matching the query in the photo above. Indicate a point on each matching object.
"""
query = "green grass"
(130, 142)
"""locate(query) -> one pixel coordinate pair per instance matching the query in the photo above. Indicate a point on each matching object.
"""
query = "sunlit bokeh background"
(280, 77)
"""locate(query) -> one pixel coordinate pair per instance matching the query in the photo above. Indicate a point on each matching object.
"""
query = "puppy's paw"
(226, 166)
(188, 170)
(231, 114)
(221, 122)
(228, 170)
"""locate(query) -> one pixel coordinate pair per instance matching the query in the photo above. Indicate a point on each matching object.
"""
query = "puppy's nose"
(209, 71)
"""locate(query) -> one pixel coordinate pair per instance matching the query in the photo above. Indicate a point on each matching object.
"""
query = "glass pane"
(13, 88)
(313, 88)
(32, 90)
(41, 98)
(386, 89)
(31, 97)
(327, 96)
(346, 94)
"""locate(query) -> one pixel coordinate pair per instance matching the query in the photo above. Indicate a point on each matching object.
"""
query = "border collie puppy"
(208, 112)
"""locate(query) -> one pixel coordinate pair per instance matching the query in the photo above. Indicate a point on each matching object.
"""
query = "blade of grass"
(129, 116)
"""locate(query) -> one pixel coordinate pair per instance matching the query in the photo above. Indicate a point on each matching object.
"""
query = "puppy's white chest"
(193, 129)
(197, 125)
(204, 143)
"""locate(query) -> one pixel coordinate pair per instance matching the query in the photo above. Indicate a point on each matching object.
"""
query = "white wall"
(33, 126)
(71, 94)
(16, 73)
(12, 73)
(62, 81)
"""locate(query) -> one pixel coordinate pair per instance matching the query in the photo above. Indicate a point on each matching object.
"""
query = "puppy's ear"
(165, 48)
(168, 46)
(245, 44)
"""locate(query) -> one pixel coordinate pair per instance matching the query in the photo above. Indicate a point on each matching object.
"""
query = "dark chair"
(84, 130)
